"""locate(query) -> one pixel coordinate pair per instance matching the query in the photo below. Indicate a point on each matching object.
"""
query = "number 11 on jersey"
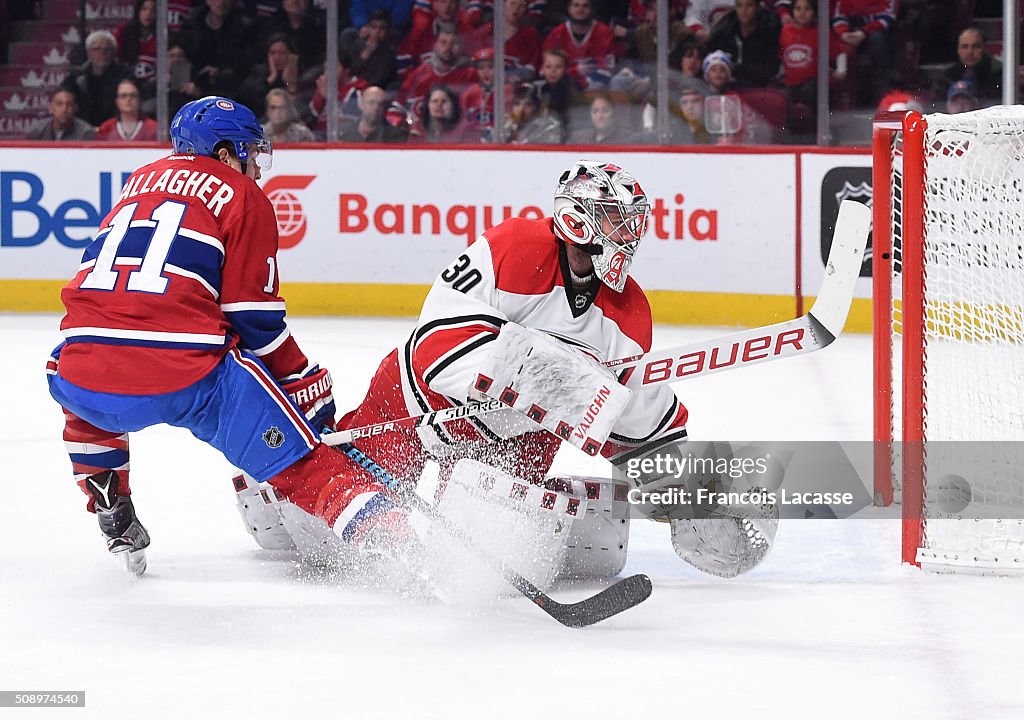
(165, 221)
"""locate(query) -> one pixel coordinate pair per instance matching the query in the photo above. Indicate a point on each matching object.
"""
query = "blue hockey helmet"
(201, 124)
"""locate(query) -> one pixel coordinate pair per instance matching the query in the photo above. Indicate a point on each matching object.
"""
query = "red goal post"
(948, 337)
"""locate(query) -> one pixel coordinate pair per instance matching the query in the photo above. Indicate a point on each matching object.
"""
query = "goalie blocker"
(554, 385)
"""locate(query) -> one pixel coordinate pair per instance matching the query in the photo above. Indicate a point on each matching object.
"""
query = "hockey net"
(949, 335)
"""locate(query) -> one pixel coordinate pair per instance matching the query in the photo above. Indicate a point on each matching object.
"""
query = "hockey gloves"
(313, 397)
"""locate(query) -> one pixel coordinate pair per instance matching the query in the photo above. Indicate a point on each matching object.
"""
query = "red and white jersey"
(591, 59)
(514, 273)
(183, 268)
(703, 14)
(418, 82)
(798, 48)
(871, 16)
(522, 48)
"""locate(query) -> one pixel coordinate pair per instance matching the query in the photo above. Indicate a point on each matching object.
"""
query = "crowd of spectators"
(577, 71)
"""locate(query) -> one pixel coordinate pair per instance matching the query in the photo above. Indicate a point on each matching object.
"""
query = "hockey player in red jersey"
(174, 317)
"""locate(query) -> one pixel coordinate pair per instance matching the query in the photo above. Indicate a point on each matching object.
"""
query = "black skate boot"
(127, 539)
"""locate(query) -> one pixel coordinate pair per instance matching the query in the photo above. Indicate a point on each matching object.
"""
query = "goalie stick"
(620, 596)
(807, 333)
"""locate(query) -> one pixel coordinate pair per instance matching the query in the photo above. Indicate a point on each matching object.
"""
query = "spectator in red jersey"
(426, 23)
(348, 89)
(136, 41)
(444, 66)
(588, 43)
(62, 123)
(798, 45)
(607, 126)
(280, 71)
(865, 26)
(478, 100)
(784, 9)
(95, 82)
(371, 50)
(128, 123)
(178, 12)
(479, 10)
(440, 119)
(305, 27)
(522, 42)
(282, 125)
(750, 34)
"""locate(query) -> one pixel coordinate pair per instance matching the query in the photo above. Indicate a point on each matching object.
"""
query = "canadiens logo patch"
(225, 105)
(273, 437)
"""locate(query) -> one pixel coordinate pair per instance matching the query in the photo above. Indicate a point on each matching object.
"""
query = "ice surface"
(829, 626)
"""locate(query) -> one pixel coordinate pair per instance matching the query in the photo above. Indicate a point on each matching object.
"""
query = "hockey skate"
(127, 539)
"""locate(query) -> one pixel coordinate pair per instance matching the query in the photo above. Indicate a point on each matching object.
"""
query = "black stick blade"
(623, 595)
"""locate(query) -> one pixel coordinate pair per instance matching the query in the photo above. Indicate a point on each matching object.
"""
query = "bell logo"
(291, 218)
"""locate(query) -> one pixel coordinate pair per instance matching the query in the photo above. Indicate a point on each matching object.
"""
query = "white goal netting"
(973, 348)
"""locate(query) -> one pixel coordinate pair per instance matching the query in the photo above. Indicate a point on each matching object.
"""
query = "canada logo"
(291, 218)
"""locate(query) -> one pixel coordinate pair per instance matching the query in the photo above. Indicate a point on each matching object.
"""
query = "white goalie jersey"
(515, 273)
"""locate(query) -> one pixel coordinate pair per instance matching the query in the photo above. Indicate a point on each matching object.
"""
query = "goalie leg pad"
(526, 525)
(278, 524)
(599, 537)
(730, 540)
(554, 385)
(257, 505)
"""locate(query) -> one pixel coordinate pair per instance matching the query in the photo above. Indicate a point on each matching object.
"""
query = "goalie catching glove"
(710, 531)
(557, 387)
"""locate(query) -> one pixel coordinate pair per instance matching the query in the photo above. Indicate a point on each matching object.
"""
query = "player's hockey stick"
(807, 333)
(620, 596)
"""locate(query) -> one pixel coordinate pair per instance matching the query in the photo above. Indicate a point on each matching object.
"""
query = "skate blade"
(133, 561)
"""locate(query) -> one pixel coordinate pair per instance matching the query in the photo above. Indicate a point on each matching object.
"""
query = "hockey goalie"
(527, 315)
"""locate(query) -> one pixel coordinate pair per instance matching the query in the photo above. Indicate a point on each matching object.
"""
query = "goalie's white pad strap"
(554, 385)
(598, 540)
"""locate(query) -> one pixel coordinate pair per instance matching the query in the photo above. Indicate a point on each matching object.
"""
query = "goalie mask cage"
(948, 281)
